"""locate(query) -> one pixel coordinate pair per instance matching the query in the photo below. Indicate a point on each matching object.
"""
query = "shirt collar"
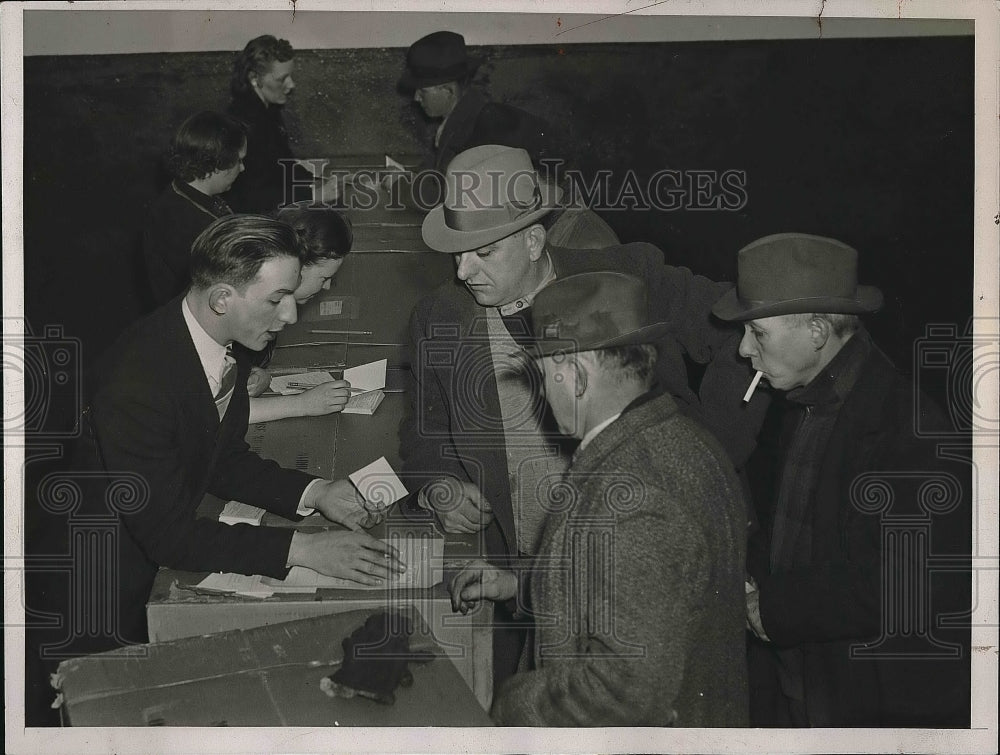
(526, 301)
(593, 432)
(212, 354)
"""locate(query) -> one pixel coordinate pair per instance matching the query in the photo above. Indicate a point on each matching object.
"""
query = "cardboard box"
(175, 611)
(266, 676)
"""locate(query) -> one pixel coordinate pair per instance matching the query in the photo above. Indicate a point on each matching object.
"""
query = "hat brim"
(649, 334)
(410, 82)
(730, 307)
(440, 237)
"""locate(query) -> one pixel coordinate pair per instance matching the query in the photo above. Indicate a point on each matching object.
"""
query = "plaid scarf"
(817, 406)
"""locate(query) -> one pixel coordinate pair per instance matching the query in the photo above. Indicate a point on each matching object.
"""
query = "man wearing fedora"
(842, 601)
(478, 446)
(637, 590)
(438, 72)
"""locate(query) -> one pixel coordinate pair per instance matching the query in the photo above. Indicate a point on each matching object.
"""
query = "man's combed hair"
(631, 362)
(326, 234)
(257, 58)
(232, 249)
(205, 142)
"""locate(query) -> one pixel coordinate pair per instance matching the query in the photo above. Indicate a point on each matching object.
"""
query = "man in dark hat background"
(844, 606)
(638, 590)
(478, 445)
(439, 71)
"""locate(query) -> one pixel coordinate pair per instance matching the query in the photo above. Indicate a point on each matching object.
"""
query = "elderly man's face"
(498, 273)
(276, 84)
(782, 348)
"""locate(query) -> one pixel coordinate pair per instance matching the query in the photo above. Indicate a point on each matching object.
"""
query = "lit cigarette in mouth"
(753, 386)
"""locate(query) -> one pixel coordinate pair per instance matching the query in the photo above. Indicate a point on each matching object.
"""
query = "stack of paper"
(238, 584)
(241, 513)
(366, 381)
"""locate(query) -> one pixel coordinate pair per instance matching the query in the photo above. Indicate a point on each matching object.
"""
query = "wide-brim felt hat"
(437, 59)
(491, 191)
(588, 311)
(796, 273)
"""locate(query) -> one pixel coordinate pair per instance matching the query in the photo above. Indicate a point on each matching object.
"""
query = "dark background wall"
(866, 140)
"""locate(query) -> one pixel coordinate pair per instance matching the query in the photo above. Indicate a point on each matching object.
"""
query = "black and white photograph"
(539, 377)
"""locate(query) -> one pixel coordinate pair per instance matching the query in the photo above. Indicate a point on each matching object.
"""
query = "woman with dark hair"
(327, 238)
(204, 158)
(260, 85)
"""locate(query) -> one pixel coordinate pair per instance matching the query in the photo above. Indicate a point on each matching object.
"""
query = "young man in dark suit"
(171, 409)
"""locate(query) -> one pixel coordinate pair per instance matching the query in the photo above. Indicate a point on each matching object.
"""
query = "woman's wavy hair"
(205, 142)
(325, 233)
(257, 58)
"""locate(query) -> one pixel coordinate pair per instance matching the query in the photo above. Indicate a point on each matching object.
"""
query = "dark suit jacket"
(835, 601)
(153, 415)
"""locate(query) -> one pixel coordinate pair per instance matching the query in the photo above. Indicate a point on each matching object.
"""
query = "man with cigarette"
(479, 446)
(650, 516)
(845, 609)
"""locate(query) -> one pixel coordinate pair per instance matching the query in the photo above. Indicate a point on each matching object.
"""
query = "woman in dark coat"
(261, 83)
(204, 158)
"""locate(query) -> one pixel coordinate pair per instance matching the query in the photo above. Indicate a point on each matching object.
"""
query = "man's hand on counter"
(460, 506)
(349, 555)
(340, 502)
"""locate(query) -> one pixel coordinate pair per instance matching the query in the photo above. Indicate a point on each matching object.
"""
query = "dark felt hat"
(587, 311)
(437, 59)
(491, 191)
(795, 273)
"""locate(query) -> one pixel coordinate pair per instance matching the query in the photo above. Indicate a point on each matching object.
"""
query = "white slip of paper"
(378, 483)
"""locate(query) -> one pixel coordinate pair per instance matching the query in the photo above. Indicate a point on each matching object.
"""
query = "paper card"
(367, 377)
(240, 584)
(331, 308)
(241, 513)
(378, 484)
(422, 554)
(289, 385)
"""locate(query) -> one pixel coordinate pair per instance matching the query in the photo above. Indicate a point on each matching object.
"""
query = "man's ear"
(535, 239)
(820, 331)
(219, 297)
(581, 374)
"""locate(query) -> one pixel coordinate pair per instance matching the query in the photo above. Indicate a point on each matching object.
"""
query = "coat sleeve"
(137, 430)
(426, 446)
(684, 300)
(631, 667)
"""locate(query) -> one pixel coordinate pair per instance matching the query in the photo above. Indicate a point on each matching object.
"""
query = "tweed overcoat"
(637, 590)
